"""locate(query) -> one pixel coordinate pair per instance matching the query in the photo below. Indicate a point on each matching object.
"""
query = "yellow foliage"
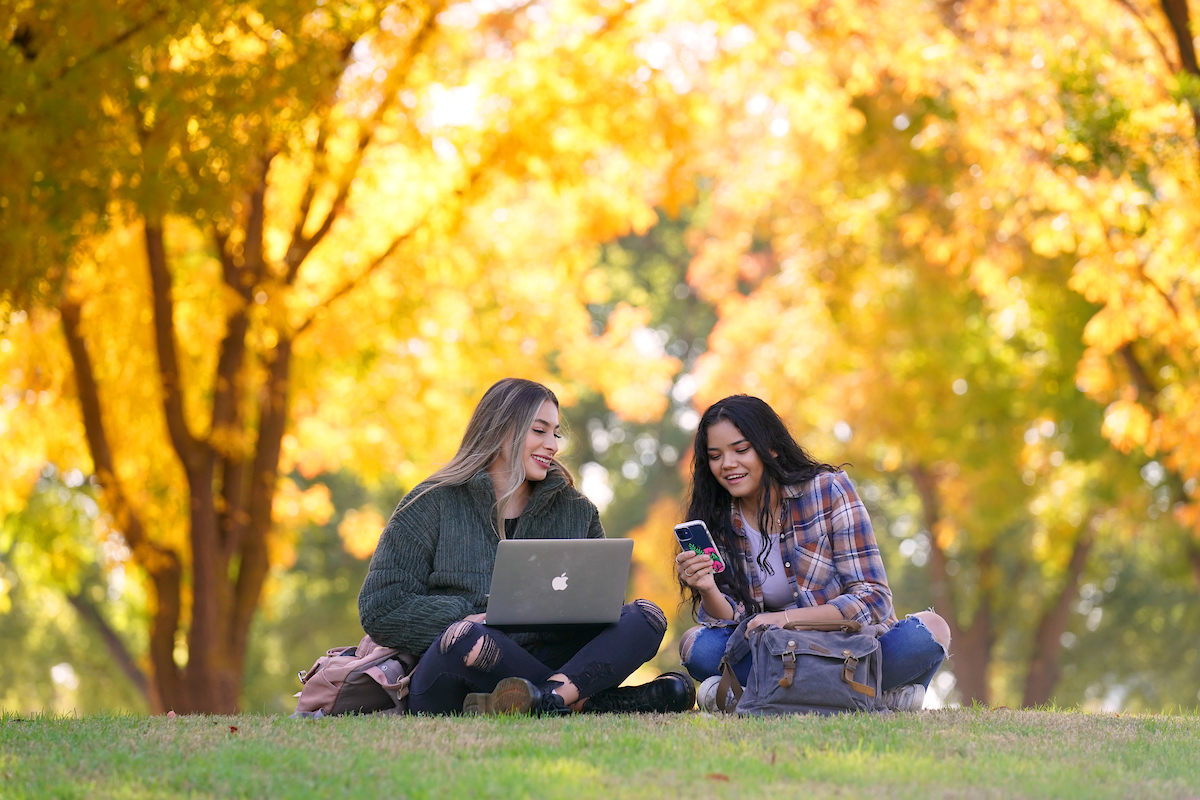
(360, 530)
(292, 510)
(626, 364)
(654, 551)
(1127, 425)
(884, 197)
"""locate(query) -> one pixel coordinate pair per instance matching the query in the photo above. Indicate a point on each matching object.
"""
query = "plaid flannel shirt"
(829, 554)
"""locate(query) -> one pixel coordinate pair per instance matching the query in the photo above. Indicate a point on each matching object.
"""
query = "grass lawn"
(951, 753)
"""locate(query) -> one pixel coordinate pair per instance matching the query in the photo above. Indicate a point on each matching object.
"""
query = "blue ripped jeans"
(910, 654)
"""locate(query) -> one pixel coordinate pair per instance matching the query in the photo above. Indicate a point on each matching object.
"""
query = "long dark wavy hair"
(785, 463)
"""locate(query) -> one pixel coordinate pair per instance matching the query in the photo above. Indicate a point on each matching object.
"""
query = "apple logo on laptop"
(560, 583)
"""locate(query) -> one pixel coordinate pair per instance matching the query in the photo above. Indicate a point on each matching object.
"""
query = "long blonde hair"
(499, 424)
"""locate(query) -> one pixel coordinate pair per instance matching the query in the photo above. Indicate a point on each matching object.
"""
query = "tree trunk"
(970, 647)
(1043, 666)
(970, 661)
(229, 505)
(1194, 560)
(972, 656)
(213, 687)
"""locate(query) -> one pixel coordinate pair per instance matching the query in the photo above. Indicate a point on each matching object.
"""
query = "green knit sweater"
(433, 564)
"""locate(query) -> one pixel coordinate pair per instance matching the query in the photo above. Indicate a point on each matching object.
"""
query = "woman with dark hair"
(798, 546)
(426, 591)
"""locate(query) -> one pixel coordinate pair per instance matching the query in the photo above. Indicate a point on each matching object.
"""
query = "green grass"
(959, 753)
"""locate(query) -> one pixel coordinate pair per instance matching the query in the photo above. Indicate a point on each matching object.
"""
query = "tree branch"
(88, 391)
(231, 273)
(116, 647)
(226, 416)
(1158, 43)
(320, 159)
(256, 215)
(186, 445)
(1141, 379)
(471, 181)
(301, 245)
(225, 438)
(162, 564)
(229, 364)
(252, 570)
(242, 278)
(87, 58)
(1177, 15)
(350, 285)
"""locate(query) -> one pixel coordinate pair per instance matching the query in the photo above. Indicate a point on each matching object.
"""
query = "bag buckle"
(848, 668)
(789, 665)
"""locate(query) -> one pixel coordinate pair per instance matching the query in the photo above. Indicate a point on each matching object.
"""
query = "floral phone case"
(693, 535)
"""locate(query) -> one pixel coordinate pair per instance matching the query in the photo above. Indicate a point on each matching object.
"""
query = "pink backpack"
(356, 680)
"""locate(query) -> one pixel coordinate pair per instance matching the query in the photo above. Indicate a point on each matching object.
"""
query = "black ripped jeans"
(593, 660)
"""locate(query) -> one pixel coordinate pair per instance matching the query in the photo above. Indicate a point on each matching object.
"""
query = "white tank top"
(777, 592)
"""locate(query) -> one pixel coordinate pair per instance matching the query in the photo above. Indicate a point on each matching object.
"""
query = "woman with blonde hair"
(426, 591)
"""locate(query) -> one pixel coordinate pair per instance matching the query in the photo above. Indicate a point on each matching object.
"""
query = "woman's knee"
(483, 652)
(685, 643)
(653, 615)
(937, 627)
(701, 650)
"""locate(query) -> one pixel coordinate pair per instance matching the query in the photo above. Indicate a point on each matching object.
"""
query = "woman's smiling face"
(733, 461)
(541, 443)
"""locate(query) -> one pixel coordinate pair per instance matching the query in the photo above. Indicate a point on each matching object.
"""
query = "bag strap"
(397, 691)
(848, 668)
(844, 625)
(728, 683)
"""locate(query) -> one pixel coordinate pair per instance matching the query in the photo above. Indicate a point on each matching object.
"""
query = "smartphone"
(693, 535)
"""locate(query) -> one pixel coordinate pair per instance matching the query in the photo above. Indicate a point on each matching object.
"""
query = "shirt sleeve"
(866, 596)
(395, 606)
(709, 621)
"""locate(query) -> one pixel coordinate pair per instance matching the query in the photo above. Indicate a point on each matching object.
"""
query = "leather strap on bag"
(848, 668)
(846, 625)
(789, 665)
(728, 683)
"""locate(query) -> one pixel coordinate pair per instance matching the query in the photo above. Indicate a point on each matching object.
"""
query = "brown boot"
(515, 696)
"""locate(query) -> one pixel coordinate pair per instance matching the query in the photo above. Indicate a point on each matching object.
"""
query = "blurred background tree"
(287, 216)
(261, 259)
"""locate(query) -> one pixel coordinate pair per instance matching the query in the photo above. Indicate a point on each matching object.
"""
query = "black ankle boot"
(515, 696)
(671, 691)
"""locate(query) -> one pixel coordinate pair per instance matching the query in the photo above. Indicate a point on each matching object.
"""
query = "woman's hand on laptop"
(480, 618)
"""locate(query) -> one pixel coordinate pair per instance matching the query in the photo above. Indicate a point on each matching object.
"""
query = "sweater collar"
(544, 491)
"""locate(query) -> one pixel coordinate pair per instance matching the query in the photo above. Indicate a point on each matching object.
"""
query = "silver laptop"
(544, 583)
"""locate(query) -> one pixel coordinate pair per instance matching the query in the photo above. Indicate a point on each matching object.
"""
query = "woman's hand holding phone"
(696, 570)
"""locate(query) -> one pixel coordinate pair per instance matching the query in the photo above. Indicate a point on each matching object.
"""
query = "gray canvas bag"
(803, 668)
(362, 679)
